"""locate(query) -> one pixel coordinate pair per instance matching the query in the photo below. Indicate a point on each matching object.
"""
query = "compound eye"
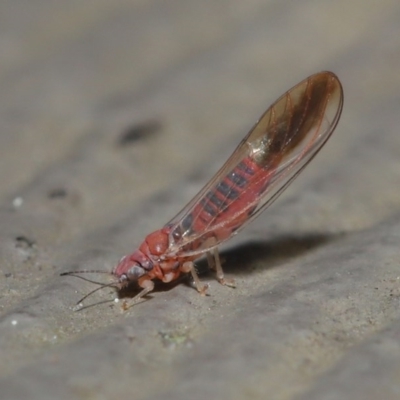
(123, 281)
(135, 272)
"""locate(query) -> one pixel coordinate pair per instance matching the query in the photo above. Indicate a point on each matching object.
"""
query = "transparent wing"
(285, 139)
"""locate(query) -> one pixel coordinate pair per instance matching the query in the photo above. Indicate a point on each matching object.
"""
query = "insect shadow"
(267, 254)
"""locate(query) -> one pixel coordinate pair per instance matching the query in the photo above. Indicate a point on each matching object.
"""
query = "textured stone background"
(316, 314)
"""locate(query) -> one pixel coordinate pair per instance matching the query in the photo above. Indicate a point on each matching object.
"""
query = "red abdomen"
(224, 204)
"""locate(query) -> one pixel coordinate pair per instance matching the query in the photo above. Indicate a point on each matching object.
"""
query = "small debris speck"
(138, 132)
(57, 193)
(77, 307)
(17, 202)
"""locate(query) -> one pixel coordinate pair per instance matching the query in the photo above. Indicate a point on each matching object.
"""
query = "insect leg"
(210, 260)
(188, 266)
(218, 268)
(147, 286)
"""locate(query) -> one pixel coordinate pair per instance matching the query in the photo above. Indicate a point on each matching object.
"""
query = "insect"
(284, 140)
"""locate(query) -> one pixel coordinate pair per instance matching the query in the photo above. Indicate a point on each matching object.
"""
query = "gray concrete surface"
(316, 311)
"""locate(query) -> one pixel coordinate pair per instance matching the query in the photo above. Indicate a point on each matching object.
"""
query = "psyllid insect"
(285, 139)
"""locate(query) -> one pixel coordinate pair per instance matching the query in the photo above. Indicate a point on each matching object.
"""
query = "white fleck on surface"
(17, 202)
